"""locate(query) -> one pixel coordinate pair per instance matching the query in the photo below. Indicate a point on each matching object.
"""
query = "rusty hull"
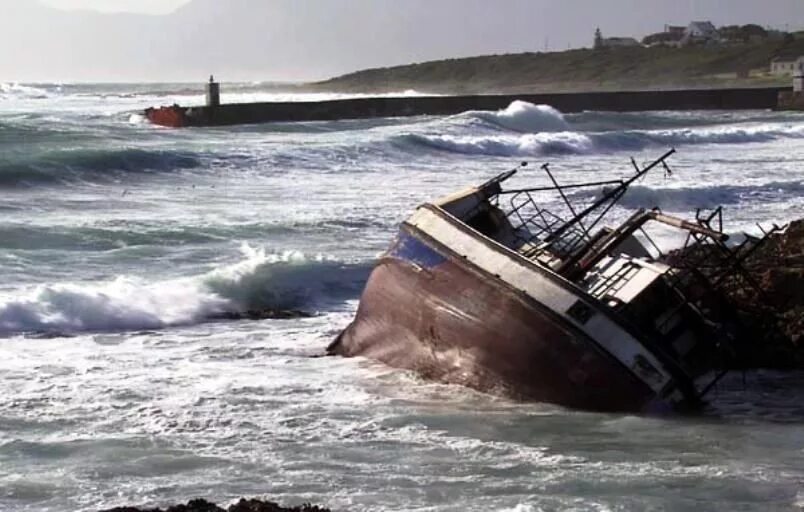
(430, 311)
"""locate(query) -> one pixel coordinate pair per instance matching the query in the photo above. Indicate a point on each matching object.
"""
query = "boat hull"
(431, 311)
(171, 117)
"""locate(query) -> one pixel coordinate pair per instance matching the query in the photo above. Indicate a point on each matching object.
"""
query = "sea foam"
(521, 116)
(524, 129)
(261, 280)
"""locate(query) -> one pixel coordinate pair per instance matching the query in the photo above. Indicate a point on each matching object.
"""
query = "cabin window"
(484, 223)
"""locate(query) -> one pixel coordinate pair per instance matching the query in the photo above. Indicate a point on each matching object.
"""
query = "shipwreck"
(489, 289)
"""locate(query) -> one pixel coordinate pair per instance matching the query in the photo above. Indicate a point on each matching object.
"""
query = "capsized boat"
(489, 289)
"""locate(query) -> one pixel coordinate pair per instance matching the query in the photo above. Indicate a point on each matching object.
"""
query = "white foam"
(574, 142)
(506, 145)
(9, 90)
(520, 507)
(521, 116)
(260, 280)
(688, 198)
(136, 119)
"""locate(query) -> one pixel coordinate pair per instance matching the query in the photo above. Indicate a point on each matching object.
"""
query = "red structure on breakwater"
(215, 114)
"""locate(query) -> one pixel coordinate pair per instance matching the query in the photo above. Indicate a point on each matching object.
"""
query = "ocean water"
(119, 240)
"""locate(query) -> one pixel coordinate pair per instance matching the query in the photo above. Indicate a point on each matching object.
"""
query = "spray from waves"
(9, 91)
(500, 145)
(689, 198)
(572, 142)
(261, 280)
(524, 117)
(601, 121)
(65, 166)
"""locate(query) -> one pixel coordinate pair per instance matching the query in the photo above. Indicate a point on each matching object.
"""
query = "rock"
(261, 314)
(201, 505)
(267, 506)
(773, 311)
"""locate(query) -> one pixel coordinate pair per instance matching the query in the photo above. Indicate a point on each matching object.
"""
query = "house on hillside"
(671, 36)
(700, 32)
(619, 42)
(675, 30)
(785, 65)
(613, 42)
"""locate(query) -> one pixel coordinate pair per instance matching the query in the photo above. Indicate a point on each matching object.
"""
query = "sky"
(138, 6)
(299, 40)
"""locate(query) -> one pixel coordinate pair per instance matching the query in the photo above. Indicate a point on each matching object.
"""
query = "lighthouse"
(213, 92)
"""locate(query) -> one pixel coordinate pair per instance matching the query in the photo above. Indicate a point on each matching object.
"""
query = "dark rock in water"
(267, 506)
(779, 267)
(773, 309)
(200, 505)
(261, 314)
(48, 335)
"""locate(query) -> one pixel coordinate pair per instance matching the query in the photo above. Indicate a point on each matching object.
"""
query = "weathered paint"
(546, 289)
(171, 117)
(473, 315)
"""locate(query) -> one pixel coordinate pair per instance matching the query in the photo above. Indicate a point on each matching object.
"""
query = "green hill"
(743, 65)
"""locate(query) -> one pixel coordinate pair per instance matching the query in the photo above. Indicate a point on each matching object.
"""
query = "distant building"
(619, 42)
(671, 36)
(700, 32)
(613, 42)
(786, 65)
(675, 30)
(702, 29)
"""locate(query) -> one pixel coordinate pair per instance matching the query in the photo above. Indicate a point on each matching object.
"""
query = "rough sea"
(119, 240)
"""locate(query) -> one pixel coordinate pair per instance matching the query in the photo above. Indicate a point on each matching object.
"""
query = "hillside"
(578, 70)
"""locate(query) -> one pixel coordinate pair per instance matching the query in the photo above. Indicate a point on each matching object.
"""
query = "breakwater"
(363, 108)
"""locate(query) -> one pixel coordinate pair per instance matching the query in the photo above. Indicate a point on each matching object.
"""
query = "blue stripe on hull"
(406, 247)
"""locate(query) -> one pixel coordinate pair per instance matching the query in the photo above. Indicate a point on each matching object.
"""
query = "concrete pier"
(363, 108)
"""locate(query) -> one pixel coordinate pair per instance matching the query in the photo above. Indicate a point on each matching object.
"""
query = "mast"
(612, 195)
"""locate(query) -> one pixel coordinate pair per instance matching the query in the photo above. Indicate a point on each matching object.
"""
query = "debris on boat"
(772, 307)
(488, 288)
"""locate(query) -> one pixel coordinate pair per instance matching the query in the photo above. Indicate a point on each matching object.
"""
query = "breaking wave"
(64, 166)
(572, 142)
(20, 91)
(521, 116)
(262, 280)
(685, 199)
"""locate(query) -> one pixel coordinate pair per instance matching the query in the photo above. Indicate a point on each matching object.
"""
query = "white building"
(784, 66)
(700, 31)
(619, 42)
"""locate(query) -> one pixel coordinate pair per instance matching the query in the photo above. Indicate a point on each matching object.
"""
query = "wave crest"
(571, 142)
(65, 166)
(13, 90)
(685, 199)
(262, 280)
(524, 117)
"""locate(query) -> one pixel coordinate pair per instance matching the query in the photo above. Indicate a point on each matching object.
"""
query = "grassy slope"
(575, 70)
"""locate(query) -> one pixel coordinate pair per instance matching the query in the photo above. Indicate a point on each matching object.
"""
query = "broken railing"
(541, 230)
(704, 272)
